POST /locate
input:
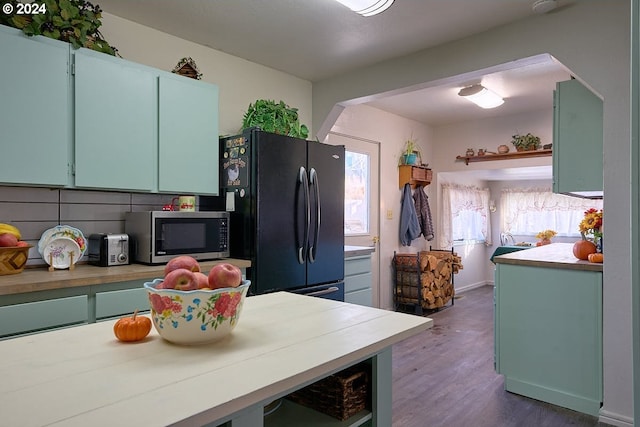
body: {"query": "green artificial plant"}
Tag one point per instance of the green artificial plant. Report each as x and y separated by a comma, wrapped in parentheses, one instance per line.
(275, 118)
(526, 142)
(72, 21)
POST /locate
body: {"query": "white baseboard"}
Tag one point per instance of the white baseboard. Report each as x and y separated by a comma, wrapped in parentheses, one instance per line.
(465, 288)
(615, 419)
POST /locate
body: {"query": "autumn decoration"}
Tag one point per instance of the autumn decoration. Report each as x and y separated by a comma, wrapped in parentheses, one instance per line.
(545, 237)
(133, 328)
(591, 229)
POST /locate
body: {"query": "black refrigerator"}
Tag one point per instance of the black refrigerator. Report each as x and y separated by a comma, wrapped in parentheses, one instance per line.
(286, 200)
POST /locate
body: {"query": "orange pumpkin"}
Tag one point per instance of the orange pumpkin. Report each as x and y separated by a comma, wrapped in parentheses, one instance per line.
(132, 328)
(582, 249)
(597, 257)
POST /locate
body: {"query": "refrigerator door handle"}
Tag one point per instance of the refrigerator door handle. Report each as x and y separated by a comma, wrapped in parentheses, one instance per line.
(313, 178)
(302, 179)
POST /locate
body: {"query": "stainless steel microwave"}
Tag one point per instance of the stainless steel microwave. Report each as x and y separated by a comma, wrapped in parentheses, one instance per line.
(157, 236)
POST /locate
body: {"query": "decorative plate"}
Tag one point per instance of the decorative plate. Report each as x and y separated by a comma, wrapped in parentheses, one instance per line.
(61, 252)
(62, 231)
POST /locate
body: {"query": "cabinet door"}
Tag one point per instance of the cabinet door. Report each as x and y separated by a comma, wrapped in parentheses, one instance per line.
(119, 303)
(357, 280)
(116, 123)
(40, 315)
(35, 110)
(188, 139)
(549, 334)
(577, 139)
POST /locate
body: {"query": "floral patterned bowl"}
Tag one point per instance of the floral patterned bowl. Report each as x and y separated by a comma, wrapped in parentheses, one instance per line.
(195, 317)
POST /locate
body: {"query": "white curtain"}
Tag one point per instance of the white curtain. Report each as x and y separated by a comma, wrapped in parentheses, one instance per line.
(465, 214)
(527, 211)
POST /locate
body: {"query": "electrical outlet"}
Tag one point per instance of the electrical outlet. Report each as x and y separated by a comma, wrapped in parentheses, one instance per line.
(389, 214)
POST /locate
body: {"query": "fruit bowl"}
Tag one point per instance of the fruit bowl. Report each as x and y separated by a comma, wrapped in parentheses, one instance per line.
(13, 259)
(194, 317)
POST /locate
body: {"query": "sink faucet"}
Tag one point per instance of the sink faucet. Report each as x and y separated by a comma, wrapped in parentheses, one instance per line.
(506, 239)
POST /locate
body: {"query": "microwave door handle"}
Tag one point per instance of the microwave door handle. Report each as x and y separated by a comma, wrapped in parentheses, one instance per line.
(313, 178)
(302, 179)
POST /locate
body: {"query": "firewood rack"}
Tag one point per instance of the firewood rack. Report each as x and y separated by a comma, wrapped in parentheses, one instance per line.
(415, 283)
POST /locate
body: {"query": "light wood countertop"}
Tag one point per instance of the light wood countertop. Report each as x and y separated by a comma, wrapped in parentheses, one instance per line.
(40, 279)
(82, 376)
(555, 255)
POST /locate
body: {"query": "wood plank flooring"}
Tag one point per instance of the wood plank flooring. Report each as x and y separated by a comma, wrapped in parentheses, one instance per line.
(445, 376)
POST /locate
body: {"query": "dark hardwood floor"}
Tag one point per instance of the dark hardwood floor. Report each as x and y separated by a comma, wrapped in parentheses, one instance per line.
(445, 376)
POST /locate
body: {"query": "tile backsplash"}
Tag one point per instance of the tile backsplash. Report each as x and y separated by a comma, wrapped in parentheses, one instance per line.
(34, 210)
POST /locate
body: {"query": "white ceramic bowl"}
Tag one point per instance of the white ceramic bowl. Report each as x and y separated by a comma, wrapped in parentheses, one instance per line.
(195, 317)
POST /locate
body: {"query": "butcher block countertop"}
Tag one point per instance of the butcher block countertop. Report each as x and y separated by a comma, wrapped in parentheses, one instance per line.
(555, 255)
(40, 279)
(82, 376)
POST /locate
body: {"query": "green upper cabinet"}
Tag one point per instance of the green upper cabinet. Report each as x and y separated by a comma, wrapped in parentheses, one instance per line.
(35, 110)
(116, 123)
(84, 119)
(188, 136)
(577, 140)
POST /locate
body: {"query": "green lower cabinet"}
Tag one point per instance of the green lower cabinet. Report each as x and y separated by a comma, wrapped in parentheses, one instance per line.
(548, 334)
(32, 312)
(121, 303)
(357, 280)
(19, 319)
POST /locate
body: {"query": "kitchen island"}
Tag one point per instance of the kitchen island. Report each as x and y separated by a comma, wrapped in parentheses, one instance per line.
(548, 326)
(83, 376)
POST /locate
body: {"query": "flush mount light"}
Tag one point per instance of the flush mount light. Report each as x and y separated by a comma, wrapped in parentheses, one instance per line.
(367, 7)
(481, 96)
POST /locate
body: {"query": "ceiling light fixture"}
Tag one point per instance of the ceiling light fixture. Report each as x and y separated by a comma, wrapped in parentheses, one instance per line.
(367, 7)
(481, 96)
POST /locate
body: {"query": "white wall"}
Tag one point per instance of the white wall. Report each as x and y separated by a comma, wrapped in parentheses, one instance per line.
(241, 82)
(593, 40)
(392, 131)
(453, 140)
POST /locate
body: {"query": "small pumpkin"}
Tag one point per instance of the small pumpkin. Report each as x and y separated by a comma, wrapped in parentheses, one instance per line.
(582, 249)
(596, 257)
(134, 328)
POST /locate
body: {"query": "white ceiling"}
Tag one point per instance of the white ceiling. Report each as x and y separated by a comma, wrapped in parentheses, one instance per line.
(318, 39)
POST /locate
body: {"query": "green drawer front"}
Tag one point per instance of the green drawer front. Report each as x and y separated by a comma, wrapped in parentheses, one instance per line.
(118, 303)
(361, 297)
(34, 316)
(357, 265)
(355, 283)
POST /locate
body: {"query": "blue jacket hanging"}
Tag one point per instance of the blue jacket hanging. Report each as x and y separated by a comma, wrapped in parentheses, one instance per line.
(409, 225)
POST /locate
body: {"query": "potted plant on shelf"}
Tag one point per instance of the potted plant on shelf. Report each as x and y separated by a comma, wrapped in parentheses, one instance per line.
(274, 117)
(526, 142)
(410, 153)
(72, 21)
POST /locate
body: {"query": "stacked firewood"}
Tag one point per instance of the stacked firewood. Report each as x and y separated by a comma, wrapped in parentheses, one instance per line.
(426, 278)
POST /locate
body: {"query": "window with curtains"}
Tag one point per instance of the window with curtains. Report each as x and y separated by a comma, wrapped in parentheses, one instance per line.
(465, 215)
(526, 211)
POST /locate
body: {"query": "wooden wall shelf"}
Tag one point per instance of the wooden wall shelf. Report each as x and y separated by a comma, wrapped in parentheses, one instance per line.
(507, 156)
(414, 175)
